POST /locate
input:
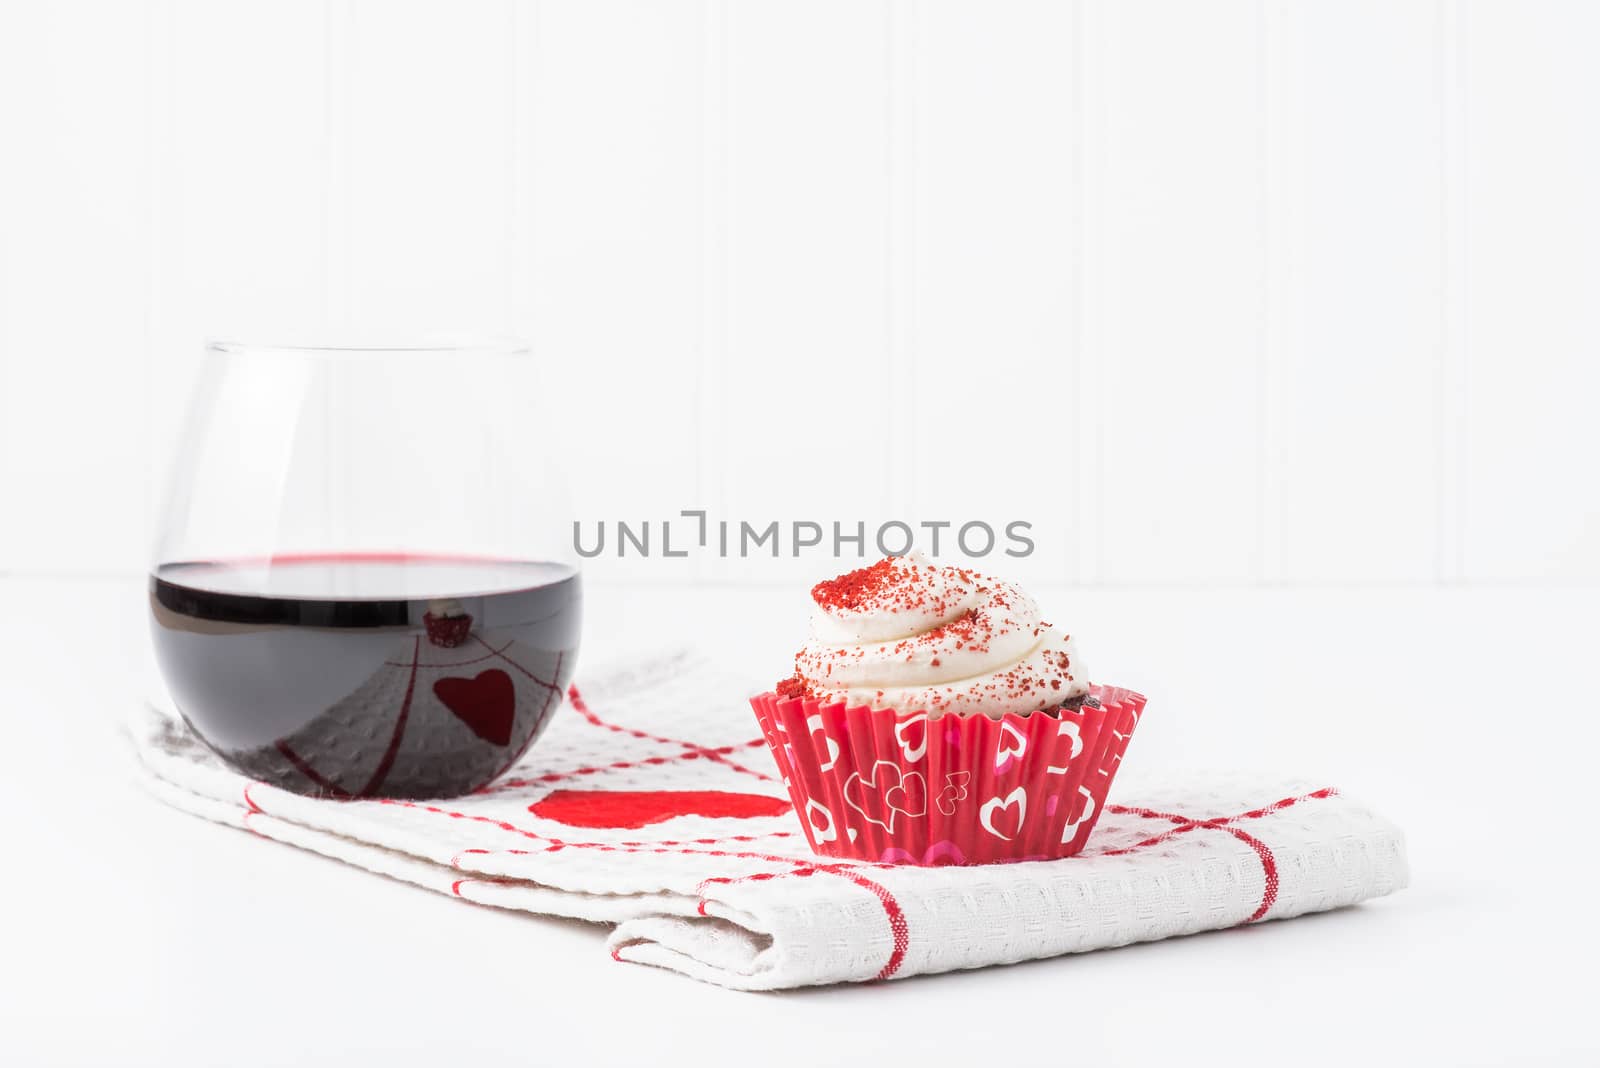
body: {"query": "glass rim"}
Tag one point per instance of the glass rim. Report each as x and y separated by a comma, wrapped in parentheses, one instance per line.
(422, 344)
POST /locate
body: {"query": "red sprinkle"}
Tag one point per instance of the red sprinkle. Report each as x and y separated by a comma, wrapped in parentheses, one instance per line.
(855, 589)
(794, 686)
(893, 585)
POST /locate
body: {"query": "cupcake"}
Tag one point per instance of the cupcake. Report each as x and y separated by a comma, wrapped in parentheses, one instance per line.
(446, 623)
(934, 717)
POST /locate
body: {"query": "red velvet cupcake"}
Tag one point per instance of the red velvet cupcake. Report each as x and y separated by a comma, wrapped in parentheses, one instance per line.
(446, 623)
(935, 718)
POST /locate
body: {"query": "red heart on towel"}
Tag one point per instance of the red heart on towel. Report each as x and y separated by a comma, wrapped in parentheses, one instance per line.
(639, 808)
(487, 704)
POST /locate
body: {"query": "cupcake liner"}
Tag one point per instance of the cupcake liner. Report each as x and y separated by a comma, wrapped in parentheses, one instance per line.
(903, 788)
(447, 632)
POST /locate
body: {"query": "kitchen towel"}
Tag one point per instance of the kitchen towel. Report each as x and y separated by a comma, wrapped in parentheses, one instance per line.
(652, 803)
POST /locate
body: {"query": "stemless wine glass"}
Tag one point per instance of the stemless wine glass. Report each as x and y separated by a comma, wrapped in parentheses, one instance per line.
(364, 584)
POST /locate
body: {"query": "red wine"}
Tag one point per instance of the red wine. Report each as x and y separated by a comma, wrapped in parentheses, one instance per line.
(367, 675)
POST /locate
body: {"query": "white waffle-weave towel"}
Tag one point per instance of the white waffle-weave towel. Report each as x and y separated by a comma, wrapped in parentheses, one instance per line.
(652, 803)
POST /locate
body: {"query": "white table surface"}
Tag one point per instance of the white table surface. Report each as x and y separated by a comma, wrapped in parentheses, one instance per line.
(134, 934)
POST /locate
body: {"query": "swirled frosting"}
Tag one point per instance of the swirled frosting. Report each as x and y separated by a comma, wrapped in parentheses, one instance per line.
(912, 635)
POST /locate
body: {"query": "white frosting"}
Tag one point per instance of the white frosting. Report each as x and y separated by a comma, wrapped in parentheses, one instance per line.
(940, 640)
(445, 608)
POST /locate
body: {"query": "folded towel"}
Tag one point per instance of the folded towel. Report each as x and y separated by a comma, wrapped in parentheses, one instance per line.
(652, 803)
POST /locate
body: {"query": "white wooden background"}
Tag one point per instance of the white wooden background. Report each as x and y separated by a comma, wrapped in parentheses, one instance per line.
(1224, 292)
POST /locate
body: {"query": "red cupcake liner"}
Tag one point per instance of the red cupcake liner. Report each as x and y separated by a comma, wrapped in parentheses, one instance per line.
(902, 788)
(447, 632)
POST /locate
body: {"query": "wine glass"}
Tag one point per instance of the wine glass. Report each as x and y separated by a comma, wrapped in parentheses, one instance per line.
(363, 584)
